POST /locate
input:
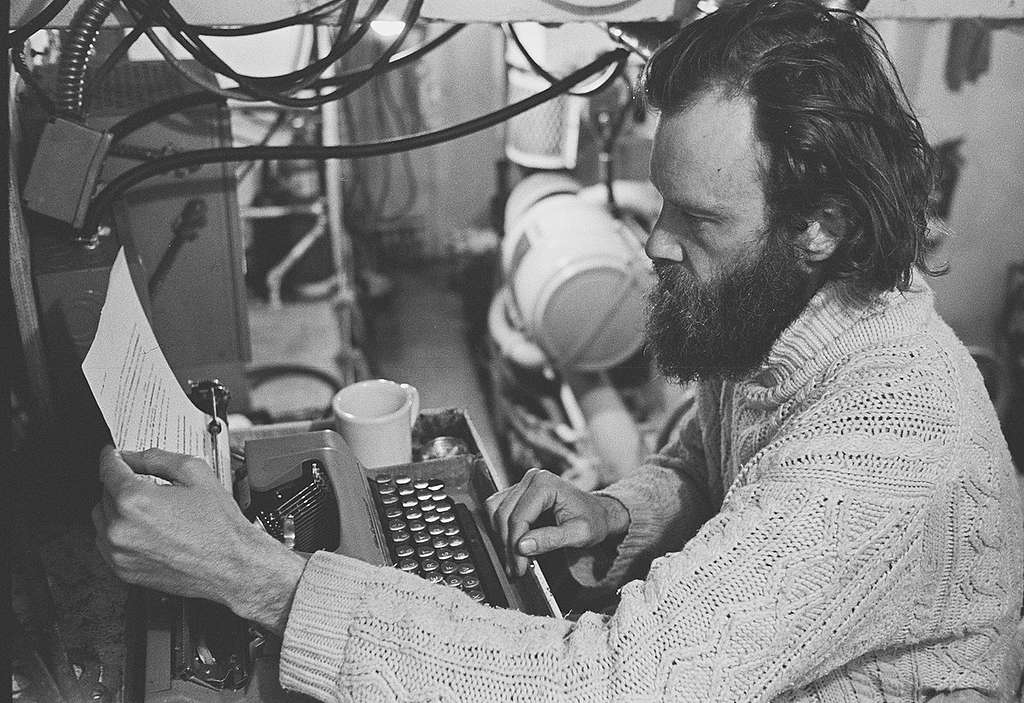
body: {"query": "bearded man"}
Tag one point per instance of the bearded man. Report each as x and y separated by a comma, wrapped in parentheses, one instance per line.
(838, 519)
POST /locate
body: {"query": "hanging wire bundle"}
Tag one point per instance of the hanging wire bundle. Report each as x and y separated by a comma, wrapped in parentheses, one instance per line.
(307, 86)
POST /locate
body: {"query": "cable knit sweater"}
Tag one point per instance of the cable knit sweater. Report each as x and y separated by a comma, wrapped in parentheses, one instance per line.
(844, 525)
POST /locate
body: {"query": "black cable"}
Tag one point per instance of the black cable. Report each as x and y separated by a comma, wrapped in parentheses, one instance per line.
(606, 81)
(18, 61)
(271, 87)
(352, 84)
(271, 131)
(262, 87)
(179, 30)
(128, 178)
(136, 120)
(119, 52)
(190, 100)
(306, 17)
(396, 61)
(22, 33)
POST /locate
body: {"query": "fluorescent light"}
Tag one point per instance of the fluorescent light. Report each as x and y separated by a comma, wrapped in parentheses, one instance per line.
(387, 28)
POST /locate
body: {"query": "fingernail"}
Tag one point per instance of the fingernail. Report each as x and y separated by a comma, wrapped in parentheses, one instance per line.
(528, 546)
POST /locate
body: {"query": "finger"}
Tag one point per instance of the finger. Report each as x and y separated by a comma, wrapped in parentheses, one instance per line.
(539, 496)
(494, 501)
(501, 505)
(108, 504)
(573, 533)
(178, 468)
(114, 472)
(509, 531)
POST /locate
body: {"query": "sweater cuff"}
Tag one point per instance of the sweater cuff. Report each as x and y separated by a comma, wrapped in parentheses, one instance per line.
(329, 595)
(608, 566)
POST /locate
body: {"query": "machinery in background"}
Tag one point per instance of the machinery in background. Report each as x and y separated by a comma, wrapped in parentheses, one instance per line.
(572, 389)
(181, 231)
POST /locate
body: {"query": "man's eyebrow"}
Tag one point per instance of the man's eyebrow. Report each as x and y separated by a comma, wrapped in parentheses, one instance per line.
(700, 211)
(707, 211)
(711, 212)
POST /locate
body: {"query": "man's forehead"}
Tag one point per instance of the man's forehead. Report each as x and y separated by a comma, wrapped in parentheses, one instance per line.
(707, 150)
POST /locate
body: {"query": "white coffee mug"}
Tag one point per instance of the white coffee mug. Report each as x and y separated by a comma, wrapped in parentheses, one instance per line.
(376, 417)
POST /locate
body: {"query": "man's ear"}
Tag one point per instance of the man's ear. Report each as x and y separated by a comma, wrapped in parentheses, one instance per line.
(822, 235)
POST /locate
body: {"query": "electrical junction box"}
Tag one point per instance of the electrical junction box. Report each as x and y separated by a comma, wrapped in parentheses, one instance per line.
(65, 169)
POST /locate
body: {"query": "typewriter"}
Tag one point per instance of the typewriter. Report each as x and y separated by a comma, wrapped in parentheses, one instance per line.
(307, 490)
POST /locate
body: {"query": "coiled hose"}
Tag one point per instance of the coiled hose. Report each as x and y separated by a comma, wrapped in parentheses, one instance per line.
(75, 53)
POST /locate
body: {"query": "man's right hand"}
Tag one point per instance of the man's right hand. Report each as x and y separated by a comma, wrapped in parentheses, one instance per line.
(581, 519)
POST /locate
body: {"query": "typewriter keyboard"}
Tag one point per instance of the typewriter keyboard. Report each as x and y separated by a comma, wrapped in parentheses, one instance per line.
(433, 536)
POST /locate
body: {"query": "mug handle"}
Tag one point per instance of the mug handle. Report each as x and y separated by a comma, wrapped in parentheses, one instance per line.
(414, 400)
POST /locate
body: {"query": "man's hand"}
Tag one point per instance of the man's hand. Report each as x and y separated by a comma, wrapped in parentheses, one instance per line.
(581, 519)
(189, 538)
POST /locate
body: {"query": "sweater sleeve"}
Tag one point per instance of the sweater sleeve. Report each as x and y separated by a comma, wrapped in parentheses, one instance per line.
(668, 499)
(789, 581)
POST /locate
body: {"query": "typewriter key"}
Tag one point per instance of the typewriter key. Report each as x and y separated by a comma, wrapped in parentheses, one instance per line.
(431, 518)
(466, 570)
(476, 595)
(382, 479)
(440, 497)
(424, 495)
(397, 526)
(420, 538)
(439, 542)
(448, 568)
(424, 550)
(417, 526)
(435, 529)
(442, 508)
(429, 565)
(420, 485)
(455, 539)
(402, 480)
(452, 531)
(470, 582)
(404, 551)
(399, 537)
(461, 555)
(388, 500)
(406, 491)
(436, 486)
(386, 490)
(453, 581)
(447, 518)
(427, 506)
(393, 513)
(408, 565)
(445, 554)
(407, 502)
(434, 578)
(413, 514)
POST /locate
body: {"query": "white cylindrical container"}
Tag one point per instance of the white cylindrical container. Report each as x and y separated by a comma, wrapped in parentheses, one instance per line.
(577, 278)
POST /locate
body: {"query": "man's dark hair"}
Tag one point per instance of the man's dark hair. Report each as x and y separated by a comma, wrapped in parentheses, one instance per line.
(834, 120)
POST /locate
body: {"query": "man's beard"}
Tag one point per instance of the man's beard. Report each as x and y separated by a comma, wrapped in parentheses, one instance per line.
(724, 328)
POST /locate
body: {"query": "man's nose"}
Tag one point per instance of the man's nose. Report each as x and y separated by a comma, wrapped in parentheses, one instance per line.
(662, 245)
